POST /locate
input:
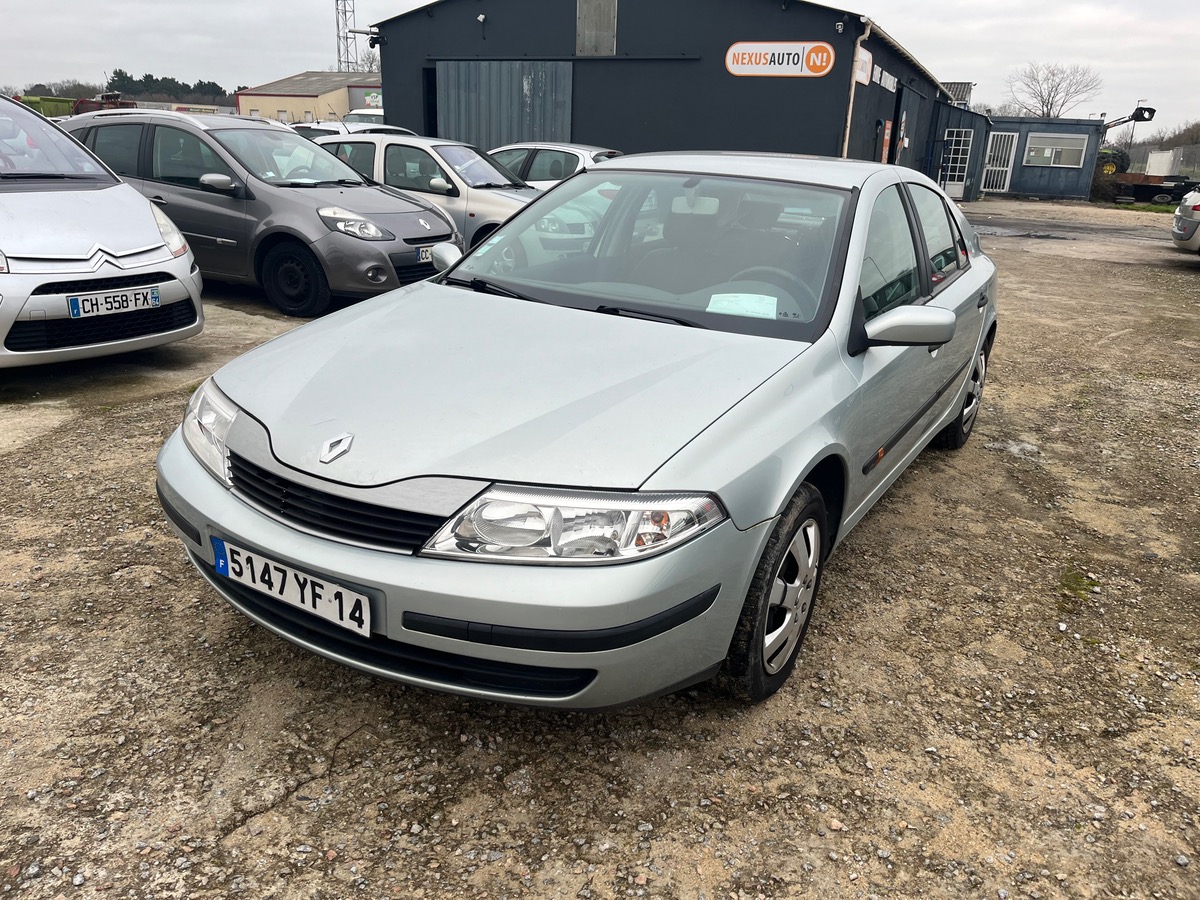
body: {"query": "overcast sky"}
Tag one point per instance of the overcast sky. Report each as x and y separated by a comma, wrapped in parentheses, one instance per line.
(1143, 50)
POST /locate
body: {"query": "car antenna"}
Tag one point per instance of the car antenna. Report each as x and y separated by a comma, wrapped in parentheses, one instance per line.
(335, 115)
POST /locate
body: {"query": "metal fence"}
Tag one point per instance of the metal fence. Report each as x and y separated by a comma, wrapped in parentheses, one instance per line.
(1185, 162)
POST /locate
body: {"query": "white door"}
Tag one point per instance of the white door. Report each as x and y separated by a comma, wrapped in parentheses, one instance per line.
(997, 169)
(955, 161)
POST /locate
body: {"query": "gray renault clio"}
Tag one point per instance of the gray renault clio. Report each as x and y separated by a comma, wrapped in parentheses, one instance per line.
(260, 204)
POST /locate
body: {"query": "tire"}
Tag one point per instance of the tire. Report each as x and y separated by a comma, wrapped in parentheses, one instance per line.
(954, 435)
(779, 604)
(1163, 198)
(294, 280)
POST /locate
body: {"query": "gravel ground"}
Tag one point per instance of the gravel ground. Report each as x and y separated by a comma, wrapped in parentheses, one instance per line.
(999, 696)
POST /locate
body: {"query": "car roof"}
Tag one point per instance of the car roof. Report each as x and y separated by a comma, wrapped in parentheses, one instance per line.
(843, 173)
(412, 140)
(556, 145)
(206, 121)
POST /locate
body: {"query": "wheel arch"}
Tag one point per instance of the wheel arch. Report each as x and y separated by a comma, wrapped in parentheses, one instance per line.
(482, 232)
(830, 477)
(274, 239)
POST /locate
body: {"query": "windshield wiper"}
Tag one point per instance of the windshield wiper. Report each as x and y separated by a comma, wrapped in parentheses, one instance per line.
(640, 314)
(499, 184)
(483, 286)
(349, 182)
(45, 176)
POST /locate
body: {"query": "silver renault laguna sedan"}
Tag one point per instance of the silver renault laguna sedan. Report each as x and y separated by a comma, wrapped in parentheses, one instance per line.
(582, 474)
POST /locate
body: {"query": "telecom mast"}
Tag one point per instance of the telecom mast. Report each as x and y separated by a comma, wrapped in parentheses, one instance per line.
(347, 42)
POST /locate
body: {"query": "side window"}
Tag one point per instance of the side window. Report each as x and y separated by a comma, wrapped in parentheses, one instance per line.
(889, 269)
(552, 165)
(118, 146)
(358, 155)
(179, 157)
(941, 239)
(410, 168)
(511, 159)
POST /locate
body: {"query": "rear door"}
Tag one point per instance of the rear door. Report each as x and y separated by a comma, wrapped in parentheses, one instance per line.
(120, 146)
(952, 283)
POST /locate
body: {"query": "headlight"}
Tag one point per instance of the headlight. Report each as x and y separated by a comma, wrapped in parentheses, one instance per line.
(338, 219)
(3, 264)
(551, 224)
(535, 525)
(205, 424)
(171, 235)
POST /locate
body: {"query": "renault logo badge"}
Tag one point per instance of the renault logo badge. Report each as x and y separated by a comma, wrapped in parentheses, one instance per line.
(428, 227)
(336, 447)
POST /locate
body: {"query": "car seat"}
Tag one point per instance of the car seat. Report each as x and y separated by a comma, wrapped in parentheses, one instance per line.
(556, 169)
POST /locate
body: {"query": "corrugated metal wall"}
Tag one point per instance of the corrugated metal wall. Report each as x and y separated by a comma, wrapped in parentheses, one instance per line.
(492, 102)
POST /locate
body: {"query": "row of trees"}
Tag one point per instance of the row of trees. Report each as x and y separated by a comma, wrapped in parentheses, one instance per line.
(148, 87)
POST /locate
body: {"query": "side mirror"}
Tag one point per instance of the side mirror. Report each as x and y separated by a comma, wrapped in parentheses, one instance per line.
(445, 255)
(441, 185)
(911, 326)
(222, 184)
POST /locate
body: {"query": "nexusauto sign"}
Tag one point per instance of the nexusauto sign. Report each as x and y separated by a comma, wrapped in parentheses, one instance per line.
(780, 59)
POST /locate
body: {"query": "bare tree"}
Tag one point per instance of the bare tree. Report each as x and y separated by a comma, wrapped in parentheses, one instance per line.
(368, 60)
(1050, 89)
(1006, 109)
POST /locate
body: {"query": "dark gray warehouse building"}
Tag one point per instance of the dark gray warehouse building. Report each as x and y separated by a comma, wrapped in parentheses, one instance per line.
(766, 75)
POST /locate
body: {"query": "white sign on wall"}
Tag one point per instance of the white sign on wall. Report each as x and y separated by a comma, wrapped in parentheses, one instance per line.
(780, 59)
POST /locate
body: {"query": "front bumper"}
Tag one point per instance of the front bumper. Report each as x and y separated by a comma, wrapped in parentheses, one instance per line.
(570, 637)
(36, 327)
(358, 268)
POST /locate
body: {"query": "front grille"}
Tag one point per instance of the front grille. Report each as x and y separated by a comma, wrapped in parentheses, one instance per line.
(102, 285)
(438, 666)
(330, 515)
(428, 239)
(57, 334)
(407, 271)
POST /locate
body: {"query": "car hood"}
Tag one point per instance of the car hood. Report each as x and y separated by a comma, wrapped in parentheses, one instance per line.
(437, 380)
(368, 199)
(515, 196)
(73, 223)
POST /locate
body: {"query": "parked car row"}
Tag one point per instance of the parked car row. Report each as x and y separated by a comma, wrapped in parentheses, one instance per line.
(259, 204)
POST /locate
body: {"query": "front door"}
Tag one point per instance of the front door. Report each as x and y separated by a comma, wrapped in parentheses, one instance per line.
(215, 224)
(997, 171)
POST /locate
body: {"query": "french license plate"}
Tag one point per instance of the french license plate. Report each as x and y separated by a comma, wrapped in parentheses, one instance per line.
(424, 254)
(332, 602)
(117, 302)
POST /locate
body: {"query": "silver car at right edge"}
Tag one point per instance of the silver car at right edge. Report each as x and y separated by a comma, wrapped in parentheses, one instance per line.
(1185, 228)
(579, 474)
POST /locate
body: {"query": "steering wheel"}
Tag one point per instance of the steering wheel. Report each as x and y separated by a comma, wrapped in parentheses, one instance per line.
(782, 278)
(298, 172)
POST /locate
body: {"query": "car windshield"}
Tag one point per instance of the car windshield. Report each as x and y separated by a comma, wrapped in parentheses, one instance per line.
(280, 156)
(732, 254)
(476, 169)
(31, 149)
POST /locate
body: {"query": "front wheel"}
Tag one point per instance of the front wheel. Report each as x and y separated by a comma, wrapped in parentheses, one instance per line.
(954, 435)
(294, 280)
(779, 604)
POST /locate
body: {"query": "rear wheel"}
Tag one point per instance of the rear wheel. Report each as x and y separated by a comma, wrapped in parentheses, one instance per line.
(954, 435)
(779, 604)
(294, 280)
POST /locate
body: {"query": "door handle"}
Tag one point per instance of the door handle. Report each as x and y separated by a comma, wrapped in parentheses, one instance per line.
(982, 301)
(161, 201)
